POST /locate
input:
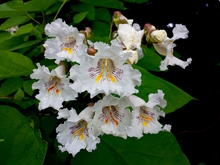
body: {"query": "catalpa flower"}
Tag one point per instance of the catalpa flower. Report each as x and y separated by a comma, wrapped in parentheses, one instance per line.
(53, 87)
(67, 44)
(74, 134)
(146, 115)
(131, 38)
(105, 72)
(166, 48)
(112, 115)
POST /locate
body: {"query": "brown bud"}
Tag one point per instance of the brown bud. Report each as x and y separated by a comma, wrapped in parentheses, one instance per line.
(91, 51)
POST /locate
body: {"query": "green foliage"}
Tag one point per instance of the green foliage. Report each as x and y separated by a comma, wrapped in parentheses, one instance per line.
(137, 1)
(20, 137)
(161, 148)
(14, 21)
(150, 61)
(14, 64)
(22, 144)
(6, 12)
(79, 17)
(11, 85)
(107, 3)
(174, 96)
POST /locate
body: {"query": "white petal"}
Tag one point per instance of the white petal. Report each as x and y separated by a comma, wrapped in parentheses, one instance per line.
(180, 31)
(136, 101)
(63, 113)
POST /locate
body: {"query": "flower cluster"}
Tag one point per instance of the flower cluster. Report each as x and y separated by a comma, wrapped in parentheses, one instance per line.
(106, 69)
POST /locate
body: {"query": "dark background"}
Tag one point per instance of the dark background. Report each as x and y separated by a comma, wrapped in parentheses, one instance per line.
(196, 125)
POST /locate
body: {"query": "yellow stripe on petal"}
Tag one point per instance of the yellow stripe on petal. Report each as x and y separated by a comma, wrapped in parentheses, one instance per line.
(82, 136)
(145, 123)
(98, 78)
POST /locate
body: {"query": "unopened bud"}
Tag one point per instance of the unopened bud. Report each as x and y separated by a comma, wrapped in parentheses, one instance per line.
(91, 51)
(158, 36)
(148, 27)
(88, 32)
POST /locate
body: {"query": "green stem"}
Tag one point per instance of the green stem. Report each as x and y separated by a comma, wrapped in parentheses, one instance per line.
(59, 10)
(33, 19)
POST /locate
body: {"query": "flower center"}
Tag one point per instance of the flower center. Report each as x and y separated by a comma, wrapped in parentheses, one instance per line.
(54, 85)
(105, 70)
(145, 115)
(69, 45)
(79, 130)
(111, 114)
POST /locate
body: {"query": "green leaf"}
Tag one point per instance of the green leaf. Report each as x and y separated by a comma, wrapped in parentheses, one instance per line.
(54, 8)
(115, 4)
(84, 7)
(150, 61)
(4, 36)
(101, 27)
(6, 12)
(159, 148)
(175, 97)
(11, 85)
(24, 29)
(14, 21)
(33, 5)
(37, 31)
(27, 85)
(19, 95)
(137, 1)
(25, 102)
(26, 44)
(35, 52)
(79, 17)
(14, 65)
(62, 155)
(22, 144)
(49, 123)
(103, 14)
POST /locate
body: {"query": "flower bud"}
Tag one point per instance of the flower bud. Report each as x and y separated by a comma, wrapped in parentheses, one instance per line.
(158, 36)
(88, 32)
(91, 51)
(148, 27)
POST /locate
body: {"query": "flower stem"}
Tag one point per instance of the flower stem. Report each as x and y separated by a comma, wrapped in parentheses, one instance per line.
(59, 10)
(109, 38)
(33, 19)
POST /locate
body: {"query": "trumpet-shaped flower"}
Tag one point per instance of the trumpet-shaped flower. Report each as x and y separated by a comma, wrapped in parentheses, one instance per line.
(111, 116)
(67, 44)
(166, 48)
(105, 72)
(146, 115)
(74, 134)
(53, 87)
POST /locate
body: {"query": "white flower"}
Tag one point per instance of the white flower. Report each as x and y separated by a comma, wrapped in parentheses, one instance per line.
(67, 44)
(146, 115)
(166, 48)
(105, 72)
(74, 134)
(12, 30)
(54, 87)
(130, 37)
(111, 116)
